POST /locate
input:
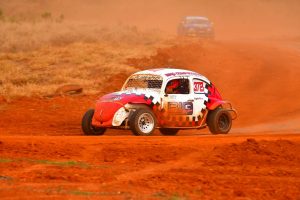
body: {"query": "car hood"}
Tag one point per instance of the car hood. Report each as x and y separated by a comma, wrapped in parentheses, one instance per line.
(144, 96)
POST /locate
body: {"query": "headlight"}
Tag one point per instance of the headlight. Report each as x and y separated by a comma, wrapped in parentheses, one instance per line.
(119, 117)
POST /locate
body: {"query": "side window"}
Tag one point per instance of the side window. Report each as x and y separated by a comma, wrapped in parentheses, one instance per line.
(199, 86)
(178, 86)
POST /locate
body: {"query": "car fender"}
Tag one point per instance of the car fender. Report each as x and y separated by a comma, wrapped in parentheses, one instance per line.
(114, 108)
(215, 103)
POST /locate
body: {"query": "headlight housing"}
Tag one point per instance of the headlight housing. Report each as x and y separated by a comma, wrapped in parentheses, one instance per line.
(119, 117)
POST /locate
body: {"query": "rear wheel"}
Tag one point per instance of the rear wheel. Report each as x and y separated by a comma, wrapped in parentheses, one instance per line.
(168, 131)
(87, 127)
(219, 121)
(142, 122)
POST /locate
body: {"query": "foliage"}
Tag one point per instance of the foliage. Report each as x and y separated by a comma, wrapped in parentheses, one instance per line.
(46, 15)
(1, 15)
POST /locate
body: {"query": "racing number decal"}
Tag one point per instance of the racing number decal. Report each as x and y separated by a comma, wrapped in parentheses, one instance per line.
(198, 87)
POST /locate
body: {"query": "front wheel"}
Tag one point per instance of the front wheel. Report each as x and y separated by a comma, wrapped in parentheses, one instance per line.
(169, 131)
(219, 121)
(86, 124)
(142, 122)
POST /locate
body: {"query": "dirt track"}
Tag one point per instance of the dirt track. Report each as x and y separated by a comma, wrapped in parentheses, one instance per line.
(258, 160)
(128, 167)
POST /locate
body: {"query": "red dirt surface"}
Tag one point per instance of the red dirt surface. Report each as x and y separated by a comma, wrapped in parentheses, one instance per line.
(128, 167)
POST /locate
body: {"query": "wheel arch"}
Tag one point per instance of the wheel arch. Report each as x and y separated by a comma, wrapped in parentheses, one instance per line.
(216, 104)
(134, 106)
(223, 104)
(137, 105)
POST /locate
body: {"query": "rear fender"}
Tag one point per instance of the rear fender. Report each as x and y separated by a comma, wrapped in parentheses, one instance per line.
(215, 103)
(225, 105)
(214, 97)
(215, 100)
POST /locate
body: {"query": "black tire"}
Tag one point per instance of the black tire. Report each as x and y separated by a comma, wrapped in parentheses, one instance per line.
(142, 122)
(219, 121)
(86, 124)
(168, 131)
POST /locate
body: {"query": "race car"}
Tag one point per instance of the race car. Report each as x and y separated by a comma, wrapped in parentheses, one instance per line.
(196, 26)
(165, 99)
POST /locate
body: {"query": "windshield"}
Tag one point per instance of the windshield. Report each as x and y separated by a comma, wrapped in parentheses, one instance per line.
(197, 21)
(142, 81)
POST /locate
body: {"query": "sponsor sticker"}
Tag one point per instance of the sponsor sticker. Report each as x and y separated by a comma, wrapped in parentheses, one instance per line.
(180, 108)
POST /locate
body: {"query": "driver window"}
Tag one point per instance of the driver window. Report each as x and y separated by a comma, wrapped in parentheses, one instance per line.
(178, 86)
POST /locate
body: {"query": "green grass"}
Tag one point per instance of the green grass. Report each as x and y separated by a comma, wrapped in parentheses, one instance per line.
(81, 193)
(165, 196)
(70, 163)
(63, 163)
(77, 192)
(177, 197)
(5, 160)
(46, 15)
(160, 195)
(6, 178)
(89, 193)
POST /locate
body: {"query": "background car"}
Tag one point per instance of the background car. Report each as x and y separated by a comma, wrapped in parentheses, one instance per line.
(196, 26)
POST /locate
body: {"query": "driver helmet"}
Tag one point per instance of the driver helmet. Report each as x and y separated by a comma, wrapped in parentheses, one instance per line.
(174, 84)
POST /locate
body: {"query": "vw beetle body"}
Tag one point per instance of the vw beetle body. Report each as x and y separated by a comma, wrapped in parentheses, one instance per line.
(145, 103)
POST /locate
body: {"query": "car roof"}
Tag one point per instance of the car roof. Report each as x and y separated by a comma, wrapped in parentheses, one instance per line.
(196, 17)
(172, 72)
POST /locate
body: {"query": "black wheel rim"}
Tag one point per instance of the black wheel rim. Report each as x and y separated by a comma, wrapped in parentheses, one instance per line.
(223, 122)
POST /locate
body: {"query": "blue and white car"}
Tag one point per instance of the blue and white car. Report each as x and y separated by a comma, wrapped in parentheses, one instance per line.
(196, 26)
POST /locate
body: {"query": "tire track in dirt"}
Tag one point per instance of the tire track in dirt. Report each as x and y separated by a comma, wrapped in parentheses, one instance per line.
(158, 168)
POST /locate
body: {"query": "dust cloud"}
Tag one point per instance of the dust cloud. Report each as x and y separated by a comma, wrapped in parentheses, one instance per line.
(232, 19)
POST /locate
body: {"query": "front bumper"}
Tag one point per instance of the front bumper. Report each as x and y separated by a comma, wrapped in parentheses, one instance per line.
(199, 33)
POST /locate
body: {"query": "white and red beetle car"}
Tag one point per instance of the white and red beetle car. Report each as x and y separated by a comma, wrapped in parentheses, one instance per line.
(167, 99)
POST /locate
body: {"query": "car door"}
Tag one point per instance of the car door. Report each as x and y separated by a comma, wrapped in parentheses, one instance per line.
(178, 107)
(200, 93)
